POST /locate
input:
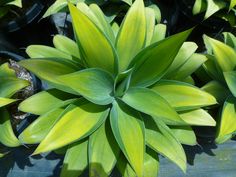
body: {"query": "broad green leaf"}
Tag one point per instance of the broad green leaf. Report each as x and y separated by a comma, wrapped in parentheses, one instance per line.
(150, 22)
(76, 160)
(151, 163)
(6, 101)
(80, 120)
(154, 60)
(7, 136)
(230, 39)
(227, 123)
(160, 138)
(131, 37)
(189, 80)
(190, 66)
(92, 51)
(94, 84)
(41, 51)
(151, 103)
(218, 90)
(183, 96)
(224, 55)
(50, 68)
(103, 151)
(230, 78)
(184, 53)
(104, 23)
(126, 124)
(39, 129)
(197, 117)
(199, 6)
(66, 45)
(124, 167)
(6, 71)
(10, 85)
(115, 28)
(159, 33)
(213, 6)
(184, 134)
(45, 101)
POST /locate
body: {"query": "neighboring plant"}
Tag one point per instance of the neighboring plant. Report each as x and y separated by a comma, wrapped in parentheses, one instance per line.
(9, 85)
(221, 67)
(107, 102)
(112, 8)
(210, 7)
(5, 6)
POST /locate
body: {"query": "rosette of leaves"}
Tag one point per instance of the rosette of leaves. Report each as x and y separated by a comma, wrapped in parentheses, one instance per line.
(9, 85)
(210, 7)
(5, 6)
(107, 104)
(221, 68)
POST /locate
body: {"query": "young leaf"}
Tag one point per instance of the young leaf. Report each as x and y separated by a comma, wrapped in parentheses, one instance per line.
(7, 136)
(128, 129)
(76, 160)
(39, 129)
(183, 96)
(154, 60)
(197, 117)
(213, 6)
(151, 103)
(92, 51)
(131, 37)
(45, 101)
(103, 151)
(150, 20)
(94, 84)
(228, 119)
(160, 138)
(80, 120)
(159, 33)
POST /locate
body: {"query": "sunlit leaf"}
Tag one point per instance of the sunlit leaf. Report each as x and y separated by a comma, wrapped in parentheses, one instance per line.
(184, 134)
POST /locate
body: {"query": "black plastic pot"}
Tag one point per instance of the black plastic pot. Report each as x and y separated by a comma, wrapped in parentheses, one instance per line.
(30, 15)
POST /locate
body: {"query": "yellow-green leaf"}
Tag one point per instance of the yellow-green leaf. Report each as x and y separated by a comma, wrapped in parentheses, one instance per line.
(80, 120)
(197, 117)
(151, 103)
(96, 53)
(7, 136)
(76, 160)
(150, 20)
(159, 33)
(151, 163)
(183, 96)
(6, 101)
(131, 37)
(126, 124)
(160, 138)
(6, 71)
(227, 123)
(184, 134)
(103, 151)
(224, 55)
(39, 129)
(230, 78)
(45, 101)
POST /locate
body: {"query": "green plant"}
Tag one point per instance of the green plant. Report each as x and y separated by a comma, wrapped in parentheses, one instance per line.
(5, 6)
(108, 103)
(221, 68)
(211, 7)
(9, 85)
